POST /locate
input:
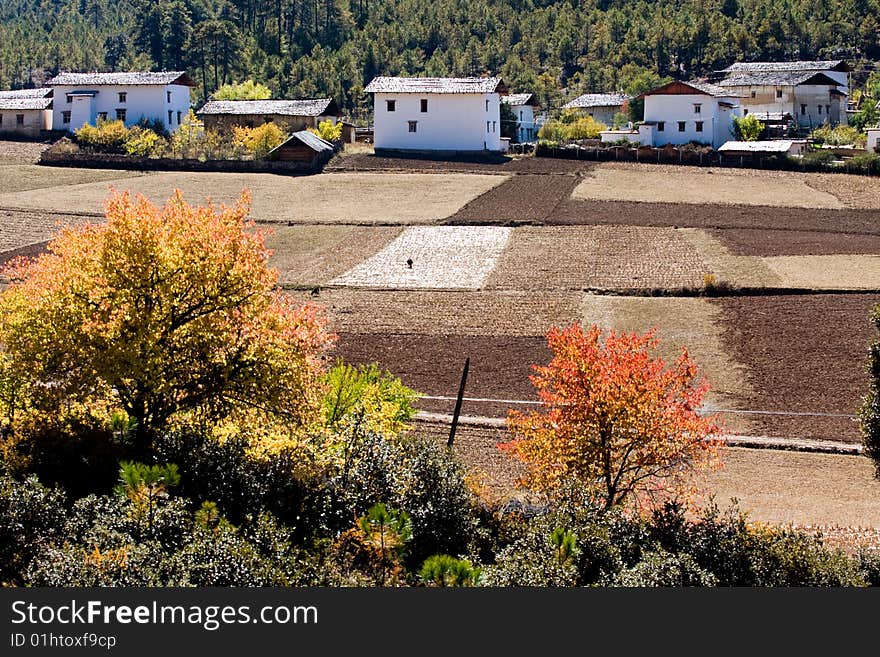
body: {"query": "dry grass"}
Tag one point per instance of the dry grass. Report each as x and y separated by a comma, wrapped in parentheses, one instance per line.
(849, 272)
(746, 271)
(358, 198)
(432, 257)
(447, 313)
(799, 488)
(24, 177)
(603, 257)
(700, 185)
(857, 192)
(693, 323)
(308, 256)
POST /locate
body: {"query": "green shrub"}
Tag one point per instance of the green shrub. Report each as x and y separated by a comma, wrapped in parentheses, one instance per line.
(748, 128)
(865, 163)
(328, 131)
(817, 159)
(841, 135)
(443, 570)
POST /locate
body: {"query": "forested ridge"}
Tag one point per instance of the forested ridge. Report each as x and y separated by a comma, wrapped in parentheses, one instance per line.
(299, 48)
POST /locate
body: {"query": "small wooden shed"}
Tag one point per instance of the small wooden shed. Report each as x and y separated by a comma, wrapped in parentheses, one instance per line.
(304, 147)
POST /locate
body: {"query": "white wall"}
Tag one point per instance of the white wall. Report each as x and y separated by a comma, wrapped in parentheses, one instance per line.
(670, 109)
(453, 122)
(147, 101)
(35, 121)
(526, 130)
(873, 138)
(791, 101)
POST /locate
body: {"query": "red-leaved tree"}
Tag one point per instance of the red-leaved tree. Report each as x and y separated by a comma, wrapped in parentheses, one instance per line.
(615, 417)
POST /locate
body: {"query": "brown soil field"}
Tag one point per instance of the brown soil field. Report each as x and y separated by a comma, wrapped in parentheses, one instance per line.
(854, 191)
(597, 257)
(20, 152)
(700, 185)
(522, 199)
(461, 313)
(357, 198)
(803, 354)
(762, 242)
(309, 256)
(23, 229)
(502, 164)
(432, 364)
(24, 177)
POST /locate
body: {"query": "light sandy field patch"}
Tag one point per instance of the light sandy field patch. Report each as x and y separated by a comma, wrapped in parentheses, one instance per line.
(697, 185)
(851, 272)
(446, 313)
(744, 271)
(20, 152)
(693, 323)
(310, 255)
(799, 488)
(599, 257)
(442, 257)
(23, 177)
(857, 192)
(359, 198)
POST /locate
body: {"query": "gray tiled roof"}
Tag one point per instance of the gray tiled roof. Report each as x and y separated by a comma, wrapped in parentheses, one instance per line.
(777, 79)
(516, 99)
(26, 99)
(304, 107)
(597, 100)
(129, 78)
(308, 138)
(40, 92)
(434, 85)
(710, 89)
(769, 67)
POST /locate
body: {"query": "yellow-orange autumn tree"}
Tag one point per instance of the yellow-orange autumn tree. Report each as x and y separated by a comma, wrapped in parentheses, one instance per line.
(158, 312)
(614, 417)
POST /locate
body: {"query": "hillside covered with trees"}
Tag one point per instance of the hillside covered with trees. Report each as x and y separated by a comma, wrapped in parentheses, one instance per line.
(334, 47)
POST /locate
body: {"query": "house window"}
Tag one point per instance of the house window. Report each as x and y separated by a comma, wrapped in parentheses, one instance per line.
(1, 119)
(412, 125)
(681, 126)
(122, 96)
(487, 104)
(828, 109)
(779, 93)
(697, 108)
(745, 112)
(803, 110)
(120, 114)
(661, 126)
(699, 126)
(424, 105)
(494, 127)
(168, 96)
(390, 105)
(102, 116)
(488, 125)
(819, 108)
(19, 119)
(65, 117)
(754, 93)
(178, 118)
(68, 98)
(520, 115)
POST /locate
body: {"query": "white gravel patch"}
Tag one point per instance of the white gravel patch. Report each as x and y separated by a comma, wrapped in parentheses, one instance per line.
(443, 257)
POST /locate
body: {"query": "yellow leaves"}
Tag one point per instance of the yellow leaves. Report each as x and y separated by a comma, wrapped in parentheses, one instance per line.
(260, 140)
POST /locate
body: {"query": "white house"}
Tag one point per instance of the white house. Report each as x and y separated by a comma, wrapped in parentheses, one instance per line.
(809, 98)
(437, 114)
(26, 113)
(82, 98)
(602, 107)
(836, 69)
(523, 107)
(683, 112)
(873, 139)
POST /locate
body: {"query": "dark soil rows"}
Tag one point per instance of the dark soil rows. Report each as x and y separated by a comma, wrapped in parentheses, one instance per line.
(500, 164)
(632, 213)
(521, 199)
(432, 364)
(757, 242)
(803, 354)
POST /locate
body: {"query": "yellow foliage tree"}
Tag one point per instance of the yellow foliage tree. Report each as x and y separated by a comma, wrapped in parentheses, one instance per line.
(260, 140)
(161, 313)
(328, 131)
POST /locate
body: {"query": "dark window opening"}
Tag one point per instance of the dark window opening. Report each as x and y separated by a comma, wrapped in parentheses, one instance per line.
(102, 116)
(120, 115)
(122, 96)
(168, 96)
(170, 113)
(779, 93)
(390, 105)
(65, 117)
(681, 126)
(699, 126)
(803, 110)
(424, 104)
(178, 117)
(412, 125)
(661, 126)
(19, 119)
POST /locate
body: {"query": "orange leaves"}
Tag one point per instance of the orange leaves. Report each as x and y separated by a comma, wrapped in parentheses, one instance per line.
(615, 416)
(162, 311)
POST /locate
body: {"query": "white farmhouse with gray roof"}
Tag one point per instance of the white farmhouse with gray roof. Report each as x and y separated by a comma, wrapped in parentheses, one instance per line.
(293, 114)
(602, 107)
(27, 112)
(437, 114)
(523, 108)
(683, 112)
(82, 98)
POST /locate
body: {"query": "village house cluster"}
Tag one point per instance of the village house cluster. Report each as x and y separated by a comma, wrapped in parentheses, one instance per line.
(457, 115)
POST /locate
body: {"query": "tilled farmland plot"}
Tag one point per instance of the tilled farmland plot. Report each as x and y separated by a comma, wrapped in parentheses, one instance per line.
(449, 312)
(522, 199)
(763, 242)
(598, 257)
(438, 257)
(805, 354)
